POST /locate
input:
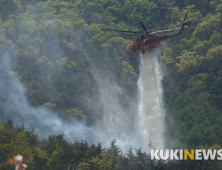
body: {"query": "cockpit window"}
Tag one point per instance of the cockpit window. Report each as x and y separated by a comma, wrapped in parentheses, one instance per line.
(127, 47)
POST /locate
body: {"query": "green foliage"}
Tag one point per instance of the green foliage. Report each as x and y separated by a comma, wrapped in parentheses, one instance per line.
(188, 62)
(55, 160)
(60, 44)
(100, 162)
(167, 57)
(41, 158)
(195, 119)
(64, 63)
(124, 69)
(201, 47)
(204, 29)
(76, 113)
(96, 35)
(196, 83)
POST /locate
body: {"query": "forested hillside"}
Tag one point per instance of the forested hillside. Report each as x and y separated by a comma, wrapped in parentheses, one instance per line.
(59, 51)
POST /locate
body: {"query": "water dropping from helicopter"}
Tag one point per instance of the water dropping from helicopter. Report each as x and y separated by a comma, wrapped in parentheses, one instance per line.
(151, 111)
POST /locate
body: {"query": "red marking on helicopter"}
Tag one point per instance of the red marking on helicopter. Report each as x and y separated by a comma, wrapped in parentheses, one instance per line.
(149, 40)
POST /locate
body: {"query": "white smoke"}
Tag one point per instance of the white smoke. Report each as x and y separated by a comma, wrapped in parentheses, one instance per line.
(114, 122)
(146, 130)
(44, 121)
(151, 110)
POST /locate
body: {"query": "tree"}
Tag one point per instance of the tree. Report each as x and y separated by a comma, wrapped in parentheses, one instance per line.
(100, 162)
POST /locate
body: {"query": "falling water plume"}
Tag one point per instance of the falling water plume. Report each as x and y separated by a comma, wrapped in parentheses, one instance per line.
(151, 108)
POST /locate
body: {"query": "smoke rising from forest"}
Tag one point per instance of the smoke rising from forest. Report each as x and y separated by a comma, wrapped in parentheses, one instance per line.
(113, 122)
(44, 120)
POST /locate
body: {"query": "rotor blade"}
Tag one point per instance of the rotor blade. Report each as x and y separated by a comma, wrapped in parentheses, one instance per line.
(185, 16)
(169, 30)
(123, 31)
(180, 20)
(165, 30)
(144, 28)
(189, 22)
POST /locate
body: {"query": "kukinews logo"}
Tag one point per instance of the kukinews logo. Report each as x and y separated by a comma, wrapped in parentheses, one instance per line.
(184, 154)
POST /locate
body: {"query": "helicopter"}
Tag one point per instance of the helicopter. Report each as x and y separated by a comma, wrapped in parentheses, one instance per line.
(148, 40)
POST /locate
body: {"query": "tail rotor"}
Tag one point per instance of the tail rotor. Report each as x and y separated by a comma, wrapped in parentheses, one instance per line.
(184, 20)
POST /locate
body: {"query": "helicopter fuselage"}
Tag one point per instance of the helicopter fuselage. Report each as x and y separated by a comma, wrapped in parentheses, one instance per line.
(146, 43)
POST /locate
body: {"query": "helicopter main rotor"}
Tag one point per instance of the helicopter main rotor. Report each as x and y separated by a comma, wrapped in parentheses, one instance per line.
(147, 33)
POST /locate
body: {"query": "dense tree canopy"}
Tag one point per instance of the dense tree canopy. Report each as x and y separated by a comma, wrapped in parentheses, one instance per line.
(53, 45)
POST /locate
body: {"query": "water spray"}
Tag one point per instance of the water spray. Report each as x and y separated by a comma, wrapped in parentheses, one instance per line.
(151, 110)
